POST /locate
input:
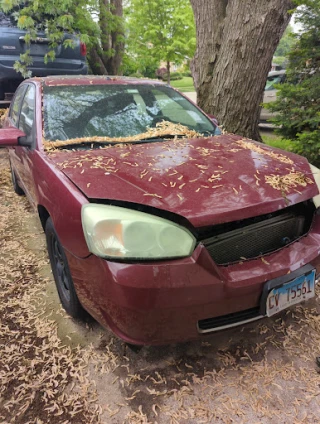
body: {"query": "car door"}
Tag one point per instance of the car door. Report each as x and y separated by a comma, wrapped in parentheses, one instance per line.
(14, 115)
(26, 154)
(22, 116)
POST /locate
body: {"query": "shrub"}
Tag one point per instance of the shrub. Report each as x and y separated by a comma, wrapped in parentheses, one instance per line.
(297, 105)
(173, 76)
(160, 72)
(136, 75)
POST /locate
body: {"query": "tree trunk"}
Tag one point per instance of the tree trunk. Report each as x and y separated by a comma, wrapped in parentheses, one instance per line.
(236, 40)
(95, 62)
(112, 34)
(117, 37)
(168, 71)
(104, 17)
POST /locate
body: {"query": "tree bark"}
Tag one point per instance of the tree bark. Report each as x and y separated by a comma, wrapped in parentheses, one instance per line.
(95, 62)
(236, 40)
(117, 38)
(168, 71)
(112, 34)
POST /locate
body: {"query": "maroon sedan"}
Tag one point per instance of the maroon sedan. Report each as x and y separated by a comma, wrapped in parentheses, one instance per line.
(157, 225)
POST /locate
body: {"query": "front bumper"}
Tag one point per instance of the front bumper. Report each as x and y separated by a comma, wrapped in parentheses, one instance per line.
(163, 302)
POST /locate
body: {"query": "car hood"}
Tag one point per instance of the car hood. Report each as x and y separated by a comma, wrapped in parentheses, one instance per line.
(206, 180)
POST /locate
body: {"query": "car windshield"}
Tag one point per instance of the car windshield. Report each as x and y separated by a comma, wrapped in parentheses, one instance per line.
(272, 81)
(119, 112)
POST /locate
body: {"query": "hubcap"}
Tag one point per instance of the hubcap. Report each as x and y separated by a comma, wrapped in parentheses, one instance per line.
(60, 267)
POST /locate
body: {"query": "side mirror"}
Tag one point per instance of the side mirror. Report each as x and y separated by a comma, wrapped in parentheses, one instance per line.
(213, 119)
(10, 137)
(216, 123)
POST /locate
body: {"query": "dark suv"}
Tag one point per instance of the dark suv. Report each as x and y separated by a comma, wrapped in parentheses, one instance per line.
(68, 60)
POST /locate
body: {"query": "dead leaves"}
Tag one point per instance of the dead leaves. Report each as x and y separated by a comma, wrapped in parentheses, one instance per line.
(162, 129)
(286, 182)
(248, 144)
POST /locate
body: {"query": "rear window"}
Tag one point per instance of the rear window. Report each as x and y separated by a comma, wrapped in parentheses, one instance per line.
(8, 20)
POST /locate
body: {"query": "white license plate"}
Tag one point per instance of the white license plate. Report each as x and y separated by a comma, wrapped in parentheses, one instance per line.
(297, 290)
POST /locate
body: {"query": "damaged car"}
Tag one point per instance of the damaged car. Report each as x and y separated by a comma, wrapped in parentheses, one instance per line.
(157, 225)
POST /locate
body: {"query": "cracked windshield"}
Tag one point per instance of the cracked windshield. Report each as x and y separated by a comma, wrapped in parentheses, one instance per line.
(119, 113)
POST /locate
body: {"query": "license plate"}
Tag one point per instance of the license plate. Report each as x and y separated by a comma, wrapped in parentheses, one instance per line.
(297, 290)
(38, 49)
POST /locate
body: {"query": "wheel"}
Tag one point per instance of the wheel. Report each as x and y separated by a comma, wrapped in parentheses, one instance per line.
(134, 348)
(1, 91)
(61, 273)
(17, 189)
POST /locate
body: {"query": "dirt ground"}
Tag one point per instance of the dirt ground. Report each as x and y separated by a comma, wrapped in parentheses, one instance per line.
(55, 370)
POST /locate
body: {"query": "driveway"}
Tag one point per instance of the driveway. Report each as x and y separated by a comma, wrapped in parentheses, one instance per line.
(56, 370)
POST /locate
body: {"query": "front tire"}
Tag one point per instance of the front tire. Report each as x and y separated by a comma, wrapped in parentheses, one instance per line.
(17, 189)
(61, 273)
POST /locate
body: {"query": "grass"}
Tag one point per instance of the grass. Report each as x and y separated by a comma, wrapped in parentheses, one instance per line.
(275, 140)
(185, 84)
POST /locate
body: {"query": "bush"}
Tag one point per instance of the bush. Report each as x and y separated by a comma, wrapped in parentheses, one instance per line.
(160, 72)
(174, 76)
(297, 105)
(136, 75)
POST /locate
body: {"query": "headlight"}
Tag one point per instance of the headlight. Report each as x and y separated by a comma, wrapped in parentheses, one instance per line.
(316, 175)
(114, 232)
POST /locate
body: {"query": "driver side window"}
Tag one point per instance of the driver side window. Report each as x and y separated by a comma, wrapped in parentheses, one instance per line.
(27, 113)
(15, 105)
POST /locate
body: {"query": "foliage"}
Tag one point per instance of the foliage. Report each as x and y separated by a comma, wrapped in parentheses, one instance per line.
(280, 60)
(286, 43)
(160, 72)
(143, 65)
(104, 37)
(54, 17)
(162, 29)
(297, 105)
(174, 76)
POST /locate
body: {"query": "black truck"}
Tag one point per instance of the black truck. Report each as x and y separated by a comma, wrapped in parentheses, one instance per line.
(68, 60)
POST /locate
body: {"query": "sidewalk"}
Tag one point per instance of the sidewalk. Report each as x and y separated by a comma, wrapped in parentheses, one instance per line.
(192, 95)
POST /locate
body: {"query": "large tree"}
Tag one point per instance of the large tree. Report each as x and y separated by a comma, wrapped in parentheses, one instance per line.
(236, 40)
(105, 55)
(161, 28)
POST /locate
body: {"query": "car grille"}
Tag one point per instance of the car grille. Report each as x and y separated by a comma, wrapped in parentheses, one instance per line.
(254, 239)
(236, 318)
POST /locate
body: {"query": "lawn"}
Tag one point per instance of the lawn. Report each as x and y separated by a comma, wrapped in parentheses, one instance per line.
(275, 140)
(185, 84)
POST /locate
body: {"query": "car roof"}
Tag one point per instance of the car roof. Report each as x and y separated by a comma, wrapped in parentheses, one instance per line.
(60, 80)
(274, 73)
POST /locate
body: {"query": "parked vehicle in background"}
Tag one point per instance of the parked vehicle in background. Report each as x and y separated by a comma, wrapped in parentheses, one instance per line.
(69, 60)
(270, 94)
(158, 225)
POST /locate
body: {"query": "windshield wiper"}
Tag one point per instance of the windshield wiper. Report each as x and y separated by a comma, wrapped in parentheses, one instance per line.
(160, 137)
(86, 145)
